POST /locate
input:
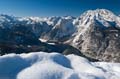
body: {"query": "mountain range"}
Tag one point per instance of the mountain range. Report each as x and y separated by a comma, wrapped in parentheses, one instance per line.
(94, 34)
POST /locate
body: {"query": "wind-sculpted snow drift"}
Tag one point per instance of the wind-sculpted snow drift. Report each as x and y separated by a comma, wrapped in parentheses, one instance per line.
(41, 65)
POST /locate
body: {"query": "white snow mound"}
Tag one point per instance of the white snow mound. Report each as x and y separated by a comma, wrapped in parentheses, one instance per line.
(41, 65)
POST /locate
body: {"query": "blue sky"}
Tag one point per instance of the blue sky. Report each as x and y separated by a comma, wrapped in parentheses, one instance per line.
(44, 8)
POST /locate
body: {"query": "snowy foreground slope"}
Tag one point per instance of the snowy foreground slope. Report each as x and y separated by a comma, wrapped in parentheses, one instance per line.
(41, 65)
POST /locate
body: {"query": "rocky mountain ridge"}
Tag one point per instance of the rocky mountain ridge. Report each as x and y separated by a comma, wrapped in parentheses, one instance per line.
(96, 33)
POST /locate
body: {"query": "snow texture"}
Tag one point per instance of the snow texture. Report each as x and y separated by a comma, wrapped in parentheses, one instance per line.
(41, 65)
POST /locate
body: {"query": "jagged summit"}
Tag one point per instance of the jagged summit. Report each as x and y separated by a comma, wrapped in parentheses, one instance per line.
(97, 13)
(103, 16)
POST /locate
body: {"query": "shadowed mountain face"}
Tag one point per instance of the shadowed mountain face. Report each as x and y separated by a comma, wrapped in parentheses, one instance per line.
(20, 39)
(96, 33)
(15, 39)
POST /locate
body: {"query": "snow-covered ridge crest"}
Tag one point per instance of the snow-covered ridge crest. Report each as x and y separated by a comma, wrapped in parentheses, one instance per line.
(101, 15)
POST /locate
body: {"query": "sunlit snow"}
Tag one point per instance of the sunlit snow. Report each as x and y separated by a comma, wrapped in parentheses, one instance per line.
(41, 65)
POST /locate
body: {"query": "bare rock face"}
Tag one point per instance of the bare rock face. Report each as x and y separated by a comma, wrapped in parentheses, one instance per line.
(112, 51)
(101, 44)
(99, 41)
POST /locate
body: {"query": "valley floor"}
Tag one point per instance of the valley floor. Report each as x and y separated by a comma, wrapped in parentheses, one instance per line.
(41, 65)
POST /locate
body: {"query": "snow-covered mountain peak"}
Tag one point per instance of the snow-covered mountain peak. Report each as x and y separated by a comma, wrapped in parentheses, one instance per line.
(102, 16)
(99, 14)
(7, 18)
(30, 19)
(97, 29)
(100, 11)
(5, 15)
